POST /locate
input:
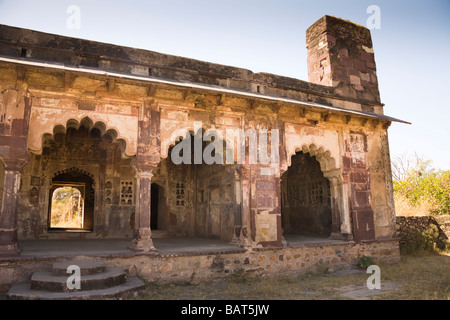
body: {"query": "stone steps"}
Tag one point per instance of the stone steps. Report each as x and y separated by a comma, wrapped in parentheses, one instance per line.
(96, 282)
(86, 267)
(50, 282)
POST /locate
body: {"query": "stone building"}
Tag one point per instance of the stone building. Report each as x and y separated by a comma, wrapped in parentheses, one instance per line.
(95, 125)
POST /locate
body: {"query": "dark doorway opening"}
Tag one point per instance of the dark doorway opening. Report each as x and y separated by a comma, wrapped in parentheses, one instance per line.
(154, 206)
(199, 197)
(157, 207)
(306, 199)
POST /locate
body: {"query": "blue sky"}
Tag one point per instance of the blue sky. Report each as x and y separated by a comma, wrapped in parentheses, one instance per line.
(412, 46)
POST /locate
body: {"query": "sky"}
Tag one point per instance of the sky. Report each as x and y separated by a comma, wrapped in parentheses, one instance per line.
(411, 45)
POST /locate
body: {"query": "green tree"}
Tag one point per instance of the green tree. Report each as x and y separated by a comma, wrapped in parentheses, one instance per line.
(420, 182)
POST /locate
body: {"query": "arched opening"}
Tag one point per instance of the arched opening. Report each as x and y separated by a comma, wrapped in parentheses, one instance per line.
(199, 197)
(71, 202)
(306, 199)
(67, 207)
(84, 156)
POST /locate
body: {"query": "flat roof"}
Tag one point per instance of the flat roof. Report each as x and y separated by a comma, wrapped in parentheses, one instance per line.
(192, 85)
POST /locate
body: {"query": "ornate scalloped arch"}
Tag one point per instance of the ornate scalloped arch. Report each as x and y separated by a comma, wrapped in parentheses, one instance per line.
(87, 121)
(327, 162)
(183, 132)
(72, 169)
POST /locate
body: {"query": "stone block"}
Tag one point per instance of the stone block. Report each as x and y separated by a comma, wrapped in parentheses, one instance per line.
(355, 80)
(6, 275)
(359, 65)
(266, 227)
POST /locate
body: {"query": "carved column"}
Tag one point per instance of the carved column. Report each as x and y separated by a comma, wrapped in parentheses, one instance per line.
(336, 194)
(8, 218)
(142, 238)
(147, 158)
(346, 227)
(340, 209)
(242, 198)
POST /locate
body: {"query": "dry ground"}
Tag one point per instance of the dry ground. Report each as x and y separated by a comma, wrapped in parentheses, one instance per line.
(425, 277)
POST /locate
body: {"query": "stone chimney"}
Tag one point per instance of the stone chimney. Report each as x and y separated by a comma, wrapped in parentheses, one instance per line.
(340, 54)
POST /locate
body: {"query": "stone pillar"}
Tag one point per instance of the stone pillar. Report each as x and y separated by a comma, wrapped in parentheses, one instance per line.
(356, 179)
(265, 208)
(336, 209)
(389, 186)
(242, 199)
(346, 227)
(340, 211)
(8, 219)
(142, 238)
(147, 158)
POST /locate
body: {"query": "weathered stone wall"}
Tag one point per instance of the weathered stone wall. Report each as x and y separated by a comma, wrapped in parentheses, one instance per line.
(330, 137)
(354, 158)
(444, 224)
(380, 184)
(200, 199)
(84, 53)
(340, 54)
(179, 186)
(15, 104)
(215, 199)
(187, 267)
(2, 176)
(86, 152)
(141, 102)
(261, 262)
(420, 223)
(357, 173)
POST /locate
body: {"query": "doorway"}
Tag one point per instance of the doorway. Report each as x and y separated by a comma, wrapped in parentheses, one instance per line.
(71, 202)
(157, 207)
(306, 199)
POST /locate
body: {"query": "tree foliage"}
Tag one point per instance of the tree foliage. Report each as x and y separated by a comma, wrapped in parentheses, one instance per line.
(66, 208)
(418, 181)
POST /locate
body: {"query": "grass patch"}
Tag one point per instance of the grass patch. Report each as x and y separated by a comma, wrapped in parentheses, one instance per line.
(422, 276)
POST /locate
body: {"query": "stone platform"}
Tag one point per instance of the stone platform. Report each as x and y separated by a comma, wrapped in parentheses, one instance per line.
(187, 259)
